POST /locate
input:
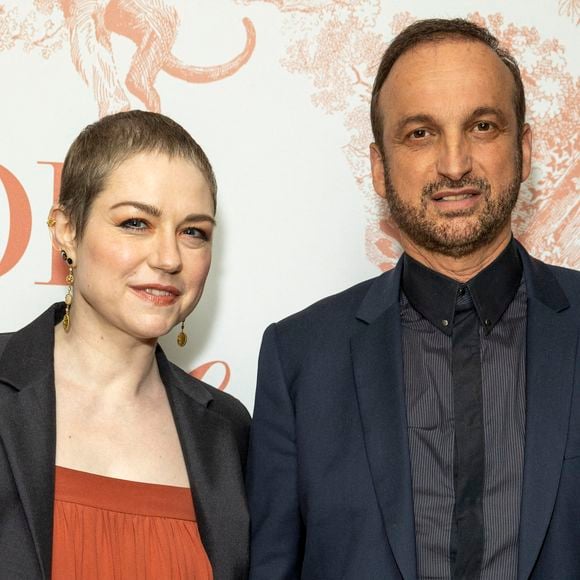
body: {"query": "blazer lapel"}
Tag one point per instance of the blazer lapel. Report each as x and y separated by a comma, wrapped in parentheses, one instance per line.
(378, 370)
(28, 426)
(551, 348)
(215, 475)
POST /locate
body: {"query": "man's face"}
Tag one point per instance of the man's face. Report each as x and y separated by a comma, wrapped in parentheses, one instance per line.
(452, 163)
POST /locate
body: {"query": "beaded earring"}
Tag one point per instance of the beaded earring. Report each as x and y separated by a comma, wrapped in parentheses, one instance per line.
(70, 279)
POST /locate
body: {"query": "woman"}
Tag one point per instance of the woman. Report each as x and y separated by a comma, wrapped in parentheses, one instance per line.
(109, 453)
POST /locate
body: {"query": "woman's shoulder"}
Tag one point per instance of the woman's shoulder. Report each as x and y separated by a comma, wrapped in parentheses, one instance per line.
(229, 411)
(216, 401)
(26, 353)
(4, 338)
(226, 404)
(37, 331)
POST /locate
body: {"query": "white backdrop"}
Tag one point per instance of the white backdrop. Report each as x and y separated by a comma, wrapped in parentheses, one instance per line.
(287, 132)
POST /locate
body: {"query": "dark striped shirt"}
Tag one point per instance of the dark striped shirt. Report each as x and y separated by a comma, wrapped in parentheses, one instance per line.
(428, 304)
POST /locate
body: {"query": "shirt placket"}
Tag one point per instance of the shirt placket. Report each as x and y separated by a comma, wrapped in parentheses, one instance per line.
(467, 537)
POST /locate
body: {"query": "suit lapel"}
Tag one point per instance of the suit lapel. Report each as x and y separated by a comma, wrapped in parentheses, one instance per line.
(551, 347)
(28, 426)
(377, 361)
(215, 475)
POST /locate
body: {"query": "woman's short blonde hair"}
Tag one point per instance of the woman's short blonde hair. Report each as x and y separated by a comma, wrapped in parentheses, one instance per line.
(102, 146)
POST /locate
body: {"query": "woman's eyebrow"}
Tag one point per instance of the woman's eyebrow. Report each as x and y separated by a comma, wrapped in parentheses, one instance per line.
(156, 212)
(144, 207)
(200, 217)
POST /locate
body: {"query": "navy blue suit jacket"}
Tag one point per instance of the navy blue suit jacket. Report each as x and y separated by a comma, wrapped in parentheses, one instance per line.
(329, 475)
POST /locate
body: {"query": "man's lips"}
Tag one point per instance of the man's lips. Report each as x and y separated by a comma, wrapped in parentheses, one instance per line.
(157, 293)
(455, 194)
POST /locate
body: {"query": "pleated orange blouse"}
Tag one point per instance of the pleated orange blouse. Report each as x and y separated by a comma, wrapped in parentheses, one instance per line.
(109, 529)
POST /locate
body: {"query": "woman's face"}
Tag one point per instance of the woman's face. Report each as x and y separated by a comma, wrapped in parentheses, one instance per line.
(143, 259)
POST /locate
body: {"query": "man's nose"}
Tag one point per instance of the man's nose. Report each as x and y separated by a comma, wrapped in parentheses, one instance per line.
(454, 157)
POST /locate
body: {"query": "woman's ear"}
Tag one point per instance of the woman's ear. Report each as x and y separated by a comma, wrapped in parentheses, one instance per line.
(62, 231)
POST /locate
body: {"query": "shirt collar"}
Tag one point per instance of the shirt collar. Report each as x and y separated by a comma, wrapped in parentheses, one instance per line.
(434, 295)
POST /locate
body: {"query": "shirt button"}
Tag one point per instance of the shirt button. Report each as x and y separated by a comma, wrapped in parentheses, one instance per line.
(487, 322)
(445, 322)
(461, 291)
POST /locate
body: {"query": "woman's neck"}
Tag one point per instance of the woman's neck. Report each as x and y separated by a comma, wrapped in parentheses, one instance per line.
(105, 360)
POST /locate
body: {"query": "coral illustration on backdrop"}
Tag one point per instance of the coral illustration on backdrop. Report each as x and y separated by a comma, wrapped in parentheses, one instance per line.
(87, 25)
(570, 9)
(336, 45)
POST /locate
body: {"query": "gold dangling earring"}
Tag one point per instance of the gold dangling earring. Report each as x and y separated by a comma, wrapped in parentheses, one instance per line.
(182, 337)
(70, 279)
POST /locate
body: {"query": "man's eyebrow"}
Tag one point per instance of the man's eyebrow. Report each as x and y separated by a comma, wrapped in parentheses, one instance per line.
(419, 119)
(487, 111)
(428, 119)
(156, 212)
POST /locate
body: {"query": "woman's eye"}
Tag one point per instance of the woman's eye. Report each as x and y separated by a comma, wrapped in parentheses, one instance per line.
(195, 233)
(134, 224)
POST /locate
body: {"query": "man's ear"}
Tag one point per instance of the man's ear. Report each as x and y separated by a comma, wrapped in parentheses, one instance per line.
(526, 145)
(377, 170)
(63, 232)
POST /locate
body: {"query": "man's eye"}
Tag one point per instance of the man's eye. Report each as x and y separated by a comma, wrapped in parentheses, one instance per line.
(483, 126)
(134, 224)
(419, 134)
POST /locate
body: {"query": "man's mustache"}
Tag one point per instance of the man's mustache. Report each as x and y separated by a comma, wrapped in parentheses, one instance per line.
(482, 185)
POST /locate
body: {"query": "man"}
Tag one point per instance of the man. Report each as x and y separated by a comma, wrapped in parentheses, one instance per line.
(426, 424)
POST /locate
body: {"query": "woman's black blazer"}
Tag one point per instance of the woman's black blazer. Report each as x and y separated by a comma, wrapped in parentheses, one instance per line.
(213, 431)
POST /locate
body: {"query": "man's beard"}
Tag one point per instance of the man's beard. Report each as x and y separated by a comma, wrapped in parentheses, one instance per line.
(440, 236)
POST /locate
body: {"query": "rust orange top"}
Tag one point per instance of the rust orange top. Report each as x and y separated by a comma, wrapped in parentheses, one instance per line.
(106, 528)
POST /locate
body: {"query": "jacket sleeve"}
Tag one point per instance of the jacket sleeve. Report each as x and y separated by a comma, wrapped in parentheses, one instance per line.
(272, 475)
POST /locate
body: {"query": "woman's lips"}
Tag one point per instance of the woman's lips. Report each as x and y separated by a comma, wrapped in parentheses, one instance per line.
(157, 293)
